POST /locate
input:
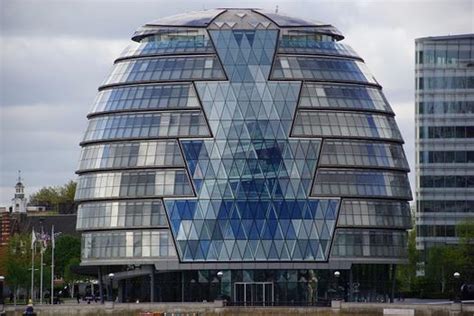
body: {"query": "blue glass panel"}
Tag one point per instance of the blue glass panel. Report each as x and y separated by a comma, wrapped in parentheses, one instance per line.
(254, 181)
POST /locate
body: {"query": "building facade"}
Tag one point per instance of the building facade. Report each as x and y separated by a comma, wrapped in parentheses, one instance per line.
(19, 200)
(444, 137)
(243, 154)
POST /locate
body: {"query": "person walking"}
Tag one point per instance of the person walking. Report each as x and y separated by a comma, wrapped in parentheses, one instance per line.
(29, 308)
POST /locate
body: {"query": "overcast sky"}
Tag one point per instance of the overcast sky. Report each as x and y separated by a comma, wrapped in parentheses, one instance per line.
(54, 55)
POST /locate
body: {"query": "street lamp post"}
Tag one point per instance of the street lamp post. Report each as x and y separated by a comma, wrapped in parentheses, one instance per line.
(457, 294)
(111, 278)
(337, 274)
(2, 279)
(220, 274)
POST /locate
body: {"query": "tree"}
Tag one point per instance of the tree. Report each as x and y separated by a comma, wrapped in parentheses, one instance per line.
(441, 263)
(67, 247)
(59, 198)
(69, 276)
(465, 231)
(406, 274)
(18, 262)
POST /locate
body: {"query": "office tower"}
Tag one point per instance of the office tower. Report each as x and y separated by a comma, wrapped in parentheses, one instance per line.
(444, 137)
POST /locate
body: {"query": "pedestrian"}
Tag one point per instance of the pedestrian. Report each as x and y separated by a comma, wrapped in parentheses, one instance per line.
(29, 308)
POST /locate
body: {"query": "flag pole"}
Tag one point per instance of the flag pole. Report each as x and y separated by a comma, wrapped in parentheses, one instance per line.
(52, 265)
(41, 267)
(41, 276)
(33, 248)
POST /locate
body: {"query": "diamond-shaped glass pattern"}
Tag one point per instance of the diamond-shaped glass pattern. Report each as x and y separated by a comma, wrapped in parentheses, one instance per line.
(252, 181)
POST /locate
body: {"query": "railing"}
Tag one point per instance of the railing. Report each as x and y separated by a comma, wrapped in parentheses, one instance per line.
(319, 303)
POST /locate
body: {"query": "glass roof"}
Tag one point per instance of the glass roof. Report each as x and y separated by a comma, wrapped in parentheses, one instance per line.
(205, 17)
(194, 18)
(284, 20)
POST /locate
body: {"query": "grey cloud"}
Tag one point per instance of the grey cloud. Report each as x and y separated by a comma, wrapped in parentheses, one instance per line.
(56, 53)
(54, 70)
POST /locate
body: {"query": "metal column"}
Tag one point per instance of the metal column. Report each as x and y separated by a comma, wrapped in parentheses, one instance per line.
(351, 286)
(394, 281)
(152, 284)
(101, 286)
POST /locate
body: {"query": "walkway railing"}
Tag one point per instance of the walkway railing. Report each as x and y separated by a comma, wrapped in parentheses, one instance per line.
(319, 303)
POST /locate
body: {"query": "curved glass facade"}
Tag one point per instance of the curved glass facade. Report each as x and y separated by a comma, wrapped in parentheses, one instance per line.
(147, 126)
(375, 213)
(350, 243)
(321, 69)
(166, 69)
(139, 154)
(120, 214)
(344, 97)
(294, 44)
(365, 183)
(126, 184)
(149, 97)
(345, 124)
(143, 244)
(243, 141)
(370, 154)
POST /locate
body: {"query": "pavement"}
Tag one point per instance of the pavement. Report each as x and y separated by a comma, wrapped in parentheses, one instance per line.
(430, 301)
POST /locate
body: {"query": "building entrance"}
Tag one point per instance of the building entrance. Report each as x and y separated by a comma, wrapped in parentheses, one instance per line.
(253, 293)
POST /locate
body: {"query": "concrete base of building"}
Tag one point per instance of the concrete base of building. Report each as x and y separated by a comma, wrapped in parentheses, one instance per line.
(336, 304)
(218, 308)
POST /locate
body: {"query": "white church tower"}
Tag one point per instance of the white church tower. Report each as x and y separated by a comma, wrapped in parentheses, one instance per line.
(19, 201)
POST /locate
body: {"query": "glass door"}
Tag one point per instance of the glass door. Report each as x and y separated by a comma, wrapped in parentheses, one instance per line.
(268, 290)
(239, 293)
(253, 293)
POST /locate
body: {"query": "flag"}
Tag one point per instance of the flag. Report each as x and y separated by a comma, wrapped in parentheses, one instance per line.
(52, 237)
(33, 238)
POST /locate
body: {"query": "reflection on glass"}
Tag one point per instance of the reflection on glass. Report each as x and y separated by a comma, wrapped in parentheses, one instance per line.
(133, 184)
(121, 214)
(369, 243)
(150, 97)
(360, 183)
(136, 244)
(162, 153)
(150, 125)
(345, 124)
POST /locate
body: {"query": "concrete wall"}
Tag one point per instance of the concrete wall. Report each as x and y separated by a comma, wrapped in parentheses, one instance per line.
(346, 309)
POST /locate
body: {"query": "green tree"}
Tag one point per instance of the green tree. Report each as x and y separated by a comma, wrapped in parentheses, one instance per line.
(58, 198)
(69, 276)
(441, 263)
(68, 247)
(406, 273)
(18, 263)
(465, 231)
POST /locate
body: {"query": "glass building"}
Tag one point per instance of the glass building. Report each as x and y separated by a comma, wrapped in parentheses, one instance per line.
(444, 137)
(246, 155)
